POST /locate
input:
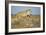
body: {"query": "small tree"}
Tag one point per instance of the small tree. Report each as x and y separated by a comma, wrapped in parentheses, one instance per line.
(29, 12)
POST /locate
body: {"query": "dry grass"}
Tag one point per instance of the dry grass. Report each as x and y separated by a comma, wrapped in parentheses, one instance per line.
(25, 22)
(36, 21)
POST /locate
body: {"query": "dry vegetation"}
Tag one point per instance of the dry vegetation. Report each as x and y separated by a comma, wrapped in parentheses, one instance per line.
(36, 21)
(25, 22)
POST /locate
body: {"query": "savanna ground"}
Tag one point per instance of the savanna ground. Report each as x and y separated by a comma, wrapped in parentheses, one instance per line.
(25, 22)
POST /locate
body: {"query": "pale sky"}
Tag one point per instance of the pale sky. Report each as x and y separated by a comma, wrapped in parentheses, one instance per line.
(16, 9)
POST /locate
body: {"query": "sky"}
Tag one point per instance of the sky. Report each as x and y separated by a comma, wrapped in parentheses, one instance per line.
(16, 9)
